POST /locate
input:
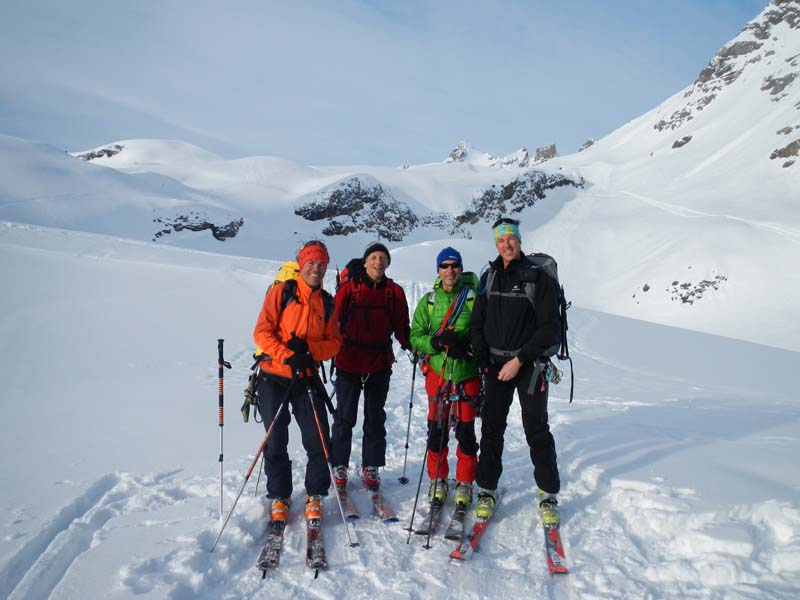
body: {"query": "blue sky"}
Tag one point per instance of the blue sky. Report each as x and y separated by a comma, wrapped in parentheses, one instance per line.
(349, 81)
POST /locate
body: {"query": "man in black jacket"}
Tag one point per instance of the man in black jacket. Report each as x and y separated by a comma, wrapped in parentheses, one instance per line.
(510, 335)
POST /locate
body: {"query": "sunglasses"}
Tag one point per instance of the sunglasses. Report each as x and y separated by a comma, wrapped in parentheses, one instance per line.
(452, 265)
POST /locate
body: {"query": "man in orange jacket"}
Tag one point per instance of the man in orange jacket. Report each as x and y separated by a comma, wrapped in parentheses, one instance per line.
(296, 336)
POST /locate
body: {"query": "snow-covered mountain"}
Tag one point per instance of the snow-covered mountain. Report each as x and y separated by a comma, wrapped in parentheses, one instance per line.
(687, 215)
(123, 265)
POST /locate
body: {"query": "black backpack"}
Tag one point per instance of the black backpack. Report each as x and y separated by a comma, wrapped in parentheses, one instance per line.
(540, 262)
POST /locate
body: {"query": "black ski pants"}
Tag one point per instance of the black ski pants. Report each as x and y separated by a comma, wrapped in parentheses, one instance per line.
(277, 466)
(494, 418)
(348, 390)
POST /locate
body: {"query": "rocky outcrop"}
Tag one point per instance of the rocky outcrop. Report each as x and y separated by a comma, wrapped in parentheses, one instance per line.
(359, 204)
(459, 153)
(751, 46)
(105, 152)
(513, 197)
(196, 221)
(789, 150)
(689, 293)
(465, 152)
(545, 153)
(682, 142)
(587, 144)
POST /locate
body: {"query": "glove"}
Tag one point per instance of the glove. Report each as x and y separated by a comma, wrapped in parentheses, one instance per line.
(458, 351)
(297, 345)
(448, 339)
(300, 361)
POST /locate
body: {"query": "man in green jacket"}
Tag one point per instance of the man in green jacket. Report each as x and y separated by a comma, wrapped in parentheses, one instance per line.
(441, 332)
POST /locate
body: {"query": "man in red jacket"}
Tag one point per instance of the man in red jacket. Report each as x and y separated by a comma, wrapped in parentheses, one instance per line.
(371, 307)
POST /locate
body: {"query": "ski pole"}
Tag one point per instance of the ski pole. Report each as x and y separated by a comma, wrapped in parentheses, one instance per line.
(416, 498)
(328, 459)
(403, 479)
(260, 451)
(220, 376)
(424, 460)
(258, 477)
(444, 409)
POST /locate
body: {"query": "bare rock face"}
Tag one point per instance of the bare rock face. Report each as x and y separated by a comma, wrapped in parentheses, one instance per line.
(789, 150)
(587, 144)
(545, 153)
(105, 152)
(354, 205)
(682, 142)
(197, 221)
(513, 197)
(459, 153)
(689, 293)
(754, 43)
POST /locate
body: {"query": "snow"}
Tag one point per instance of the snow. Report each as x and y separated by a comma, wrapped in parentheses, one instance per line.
(676, 455)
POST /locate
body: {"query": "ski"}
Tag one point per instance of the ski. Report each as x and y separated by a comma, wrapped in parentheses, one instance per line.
(271, 552)
(315, 547)
(470, 543)
(455, 529)
(554, 549)
(350, 511)
(431, 521)
(382, 508)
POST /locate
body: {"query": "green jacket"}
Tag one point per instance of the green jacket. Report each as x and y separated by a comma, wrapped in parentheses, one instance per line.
(428, 318)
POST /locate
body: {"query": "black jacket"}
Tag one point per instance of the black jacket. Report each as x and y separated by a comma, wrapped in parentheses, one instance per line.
(509, 322)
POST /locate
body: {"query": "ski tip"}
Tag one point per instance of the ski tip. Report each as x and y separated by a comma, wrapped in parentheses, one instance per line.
(455, 554)
(391, 519)
(263, 573)
(561, 570)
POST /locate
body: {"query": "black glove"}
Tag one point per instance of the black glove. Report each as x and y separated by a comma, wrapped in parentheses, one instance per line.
(297, 345)
(300, 361)
(445, 338)
(458, 351)
(448, 339)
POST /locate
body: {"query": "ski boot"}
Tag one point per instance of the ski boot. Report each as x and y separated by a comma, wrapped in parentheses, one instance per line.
(484, 508)
(548, 508)
(463, 494)
(340, 476)
(279, 509)
(313, 507)
(371, 478)
(438, 490)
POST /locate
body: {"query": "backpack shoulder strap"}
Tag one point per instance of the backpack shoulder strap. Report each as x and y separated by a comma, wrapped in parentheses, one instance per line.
(289, 292)
(328, 304)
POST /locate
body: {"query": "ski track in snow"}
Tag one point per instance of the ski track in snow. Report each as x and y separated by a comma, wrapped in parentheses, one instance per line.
(38, 567)
(623, 538)
(681, 211)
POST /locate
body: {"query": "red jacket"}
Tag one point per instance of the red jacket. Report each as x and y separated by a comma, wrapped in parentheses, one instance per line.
(305, 317)
(370, 313)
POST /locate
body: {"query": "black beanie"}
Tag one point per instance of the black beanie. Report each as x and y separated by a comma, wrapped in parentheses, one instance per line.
(378, 247)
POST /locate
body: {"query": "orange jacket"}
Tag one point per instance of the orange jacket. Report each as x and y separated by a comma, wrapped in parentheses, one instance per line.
(304, 317)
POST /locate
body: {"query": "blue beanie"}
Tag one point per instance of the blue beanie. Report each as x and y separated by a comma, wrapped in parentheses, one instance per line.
(448, 254)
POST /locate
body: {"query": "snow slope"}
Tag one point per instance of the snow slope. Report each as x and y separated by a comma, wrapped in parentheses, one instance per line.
(677, 455)
(688, 216)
